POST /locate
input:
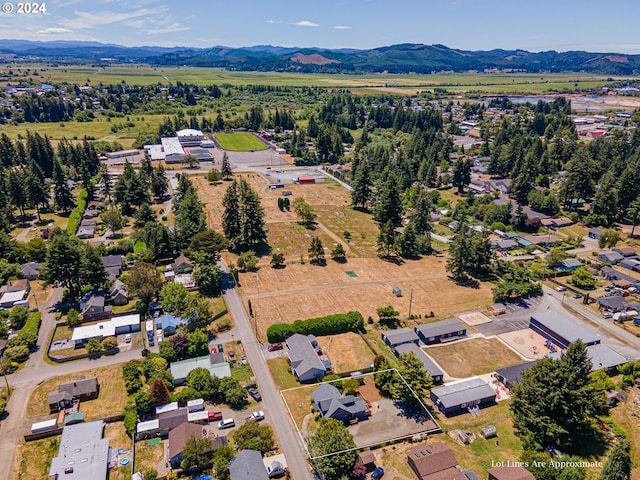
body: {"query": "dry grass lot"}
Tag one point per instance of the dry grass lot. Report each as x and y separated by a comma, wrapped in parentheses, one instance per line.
(148, 457)
(305, 291)
(347, 351)
(473, 357)
(111, 399)
(293, 240)
(33, 459)
(118, 438)
(297, 398)
(627, 415)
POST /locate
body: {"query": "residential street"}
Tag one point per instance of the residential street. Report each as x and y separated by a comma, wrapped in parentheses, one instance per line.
(289, 440)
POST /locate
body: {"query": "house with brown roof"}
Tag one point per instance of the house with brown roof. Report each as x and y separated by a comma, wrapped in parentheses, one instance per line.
(434, 462)
(178, 439)
(510, 472)
(182, 264)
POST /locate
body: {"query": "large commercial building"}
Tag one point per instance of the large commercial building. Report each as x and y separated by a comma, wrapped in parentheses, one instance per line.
(173, 151)
(560, 330)
(83, 453)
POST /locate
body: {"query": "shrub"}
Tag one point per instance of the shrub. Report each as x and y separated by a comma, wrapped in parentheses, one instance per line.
(331, 324)
(28, 336)
(16, 354)
(109, 343)
(76, 214)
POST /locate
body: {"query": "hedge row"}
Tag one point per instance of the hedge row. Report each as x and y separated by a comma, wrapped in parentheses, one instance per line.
(18, 347)
(76, 215)
(331, 324)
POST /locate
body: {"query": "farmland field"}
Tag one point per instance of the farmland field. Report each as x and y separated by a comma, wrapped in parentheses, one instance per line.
(140, 74)
(239, 141)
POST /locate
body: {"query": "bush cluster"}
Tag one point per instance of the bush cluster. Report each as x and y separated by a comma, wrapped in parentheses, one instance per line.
(76, 214)
(331, 324)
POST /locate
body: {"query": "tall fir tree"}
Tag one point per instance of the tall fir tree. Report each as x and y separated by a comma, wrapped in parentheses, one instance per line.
(231, 214)
(225, 169)
(251, 215)
(388, 205)
(62, 195)
(361, 192)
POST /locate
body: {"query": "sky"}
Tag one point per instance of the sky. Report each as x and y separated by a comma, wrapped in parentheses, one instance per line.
(464, 24)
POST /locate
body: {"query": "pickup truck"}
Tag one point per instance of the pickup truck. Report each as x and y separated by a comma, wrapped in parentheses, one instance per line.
(215, 416)
(255, 416)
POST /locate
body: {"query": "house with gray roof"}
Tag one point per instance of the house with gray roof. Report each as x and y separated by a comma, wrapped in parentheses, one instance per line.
(613, 304)
(509, 376)
(94, 308)
(461, 396)
(602, 357)
(304, 360)
(247, 465)
(82, 454)
(31, 270)
(428, 365)
(508, 244)
(442, 331)
(80, 389)
(609, 256)
(400, 336)
(569, 265)
(612, 274)
(119, 293)
(331, 404)
(632, 263)
(594, 233)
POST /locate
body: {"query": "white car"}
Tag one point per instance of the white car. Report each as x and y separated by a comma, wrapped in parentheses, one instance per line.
(561, 289)
(255, 416)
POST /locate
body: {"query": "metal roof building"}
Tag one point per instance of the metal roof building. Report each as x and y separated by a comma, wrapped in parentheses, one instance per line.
(463, 395)
(428, 364)
(82, 454)
(400, 336)
(560, 330)
(442, 331)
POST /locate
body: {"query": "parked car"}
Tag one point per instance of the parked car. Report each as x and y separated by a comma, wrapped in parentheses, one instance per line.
(227, 423)
(377, 473)
(607, 315)
(255, 394)
(232, 355)
(243, 359)
(214, 350)
(220, 348)
(215, 416)
(577, 295)
(274, 346)
(127, 338)
(255, 416)
(561, 289)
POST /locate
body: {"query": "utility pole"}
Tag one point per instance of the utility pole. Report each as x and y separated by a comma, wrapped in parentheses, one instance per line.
(410, 300)
(7, 382)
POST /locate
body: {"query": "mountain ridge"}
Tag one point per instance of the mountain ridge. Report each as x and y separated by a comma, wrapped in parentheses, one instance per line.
(399, 58)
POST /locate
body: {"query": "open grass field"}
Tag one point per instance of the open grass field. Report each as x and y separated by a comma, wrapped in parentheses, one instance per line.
(239, 141)
(303, 291)
(141, 74)
(33, 459)
(473, 357)
(111, 398)
(347, 352)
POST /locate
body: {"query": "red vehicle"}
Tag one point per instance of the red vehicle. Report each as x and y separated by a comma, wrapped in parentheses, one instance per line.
(274, 346)
(214, 350)
(215, 416)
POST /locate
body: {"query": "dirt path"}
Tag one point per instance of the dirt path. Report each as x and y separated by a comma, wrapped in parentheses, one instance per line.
(342, 285)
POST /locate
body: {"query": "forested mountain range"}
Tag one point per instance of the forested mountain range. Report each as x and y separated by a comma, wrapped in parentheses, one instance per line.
(402, 58)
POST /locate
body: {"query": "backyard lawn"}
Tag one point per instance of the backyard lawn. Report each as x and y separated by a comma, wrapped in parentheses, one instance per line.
(473, 357)
(33, 459)
(148, 455)
(111, 398)
(347, 351)
(239, 141)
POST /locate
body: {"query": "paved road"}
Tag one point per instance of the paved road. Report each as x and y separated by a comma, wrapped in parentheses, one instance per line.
(290, 442)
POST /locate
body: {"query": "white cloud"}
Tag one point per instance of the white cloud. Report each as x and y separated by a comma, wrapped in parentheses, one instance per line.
(306, 23)
(174, 27)
(86, 20)
(341, 27)
(54, 31)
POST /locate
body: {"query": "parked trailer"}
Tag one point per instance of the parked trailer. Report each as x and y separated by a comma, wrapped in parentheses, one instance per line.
(45, 426)
(276, 185)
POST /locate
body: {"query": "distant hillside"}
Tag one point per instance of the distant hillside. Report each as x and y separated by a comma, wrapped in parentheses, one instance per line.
(403, 58)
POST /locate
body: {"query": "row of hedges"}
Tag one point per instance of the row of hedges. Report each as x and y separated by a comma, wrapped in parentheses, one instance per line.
(76, 215)
(25, 341)
(331, 324)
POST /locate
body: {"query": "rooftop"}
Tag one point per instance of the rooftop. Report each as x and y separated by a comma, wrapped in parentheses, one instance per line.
(435, 329)
(400, 335)
(567, 329)
(427, 362)
(82, 454)
(247, 465)
(463, 391)
(302, 355)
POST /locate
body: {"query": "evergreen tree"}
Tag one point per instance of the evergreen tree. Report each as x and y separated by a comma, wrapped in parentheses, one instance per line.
(361, 192)
(37, 189)
(386, 239)
(107, 183)
(633, 214)
(408, 242)
(225, 169)
(460, 250)
(62, 193)
(618, 464)
(389, 204)
(159, 183)
(461, 174)
(251, 216)
(556, 401)
(145, 214)
(190, 218)
(316, 251)
(16, 190)
(417, 382)
(231, 214)
(159, 393)
(421, 212)
(605, 202)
